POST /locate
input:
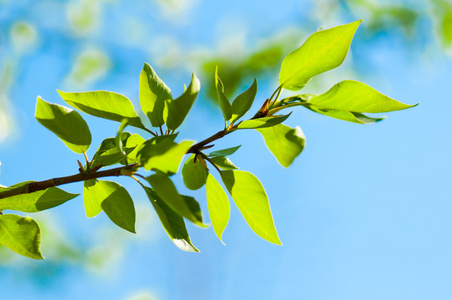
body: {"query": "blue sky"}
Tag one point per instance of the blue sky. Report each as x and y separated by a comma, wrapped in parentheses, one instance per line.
(363, 213)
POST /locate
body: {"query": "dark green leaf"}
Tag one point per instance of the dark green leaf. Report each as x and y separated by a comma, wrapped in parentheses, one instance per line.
(66, 123)
(223, 163)
(225, 152)
(167, 191)
(153, 94)
(21, 234)
(103, 104)
(218, 205)
(36, 201)
(250, 197)
(225, 106)
(194, 174)
(263, 122)
(176, 110)
(172, 222)
(243, 102)
(284, 142)
(322, 51)
(108, 152)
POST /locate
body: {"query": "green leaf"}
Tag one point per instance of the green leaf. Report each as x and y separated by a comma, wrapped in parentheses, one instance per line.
(223, 163)
(114, 200)
(349, 116)
(446, 27)
(103, 104)
(250, 197)
(284, 142)
(218, 205)
(173, 223)
(21, 234)
(262, 122)
(118, 139)
(349, 95)
(243, 102)
(225, 152)
(36, 201)
(91, 200)
(194, 174)
(66, 123)
(153, 94)
(163, 154)
(108, 152)
(322, 51)
(167, 191)
(177, 110)
(133, 142)
(225, 106)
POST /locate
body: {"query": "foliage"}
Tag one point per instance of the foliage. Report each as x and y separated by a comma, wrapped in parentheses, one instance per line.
(160, 155)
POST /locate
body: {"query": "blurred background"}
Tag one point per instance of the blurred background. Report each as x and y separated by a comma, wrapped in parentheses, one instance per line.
(363, 213)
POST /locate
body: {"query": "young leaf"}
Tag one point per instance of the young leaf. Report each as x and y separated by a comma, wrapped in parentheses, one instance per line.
(177, 110)
(167, 191)
(349, 95)
(223, 163)
(263, 122)
(225, 152)
(243, 102)
(153, 94)
(322, 51)
(163, 154)
(225, 106)
(36, 201)
(66, 123)
(91, 200)
(194, 174)
(22, 235)
(173, 223)
(114, 200)
(284, 142)
(108, 152)
(250, 197)
(218, 206)
(103, 104)
(133, 142)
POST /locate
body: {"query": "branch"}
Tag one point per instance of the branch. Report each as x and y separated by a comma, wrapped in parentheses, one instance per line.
(42, 185)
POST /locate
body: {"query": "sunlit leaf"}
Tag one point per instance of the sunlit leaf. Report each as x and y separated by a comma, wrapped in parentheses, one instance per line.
(133, 142)
(223, 163)
(177, 110)
(349, 95)
(262, 122)
(108, 152)
(284, 142)
(167, 191)
(91, 200)
(21, 234)
(194, 174)
(251, 199)
(36, 201)
(218, 205)
(324, 50)
(103, 104)
(225, 152)
(153, 94)
(243, 102)
(349, 116)
(66, 123)
(225, 106)
(173, 223)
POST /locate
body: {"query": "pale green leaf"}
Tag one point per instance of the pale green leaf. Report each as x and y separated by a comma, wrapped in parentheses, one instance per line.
(173, 223)
(243, 102)
(225, 106)
(133, 142)
(103, 104)
(223, 163)
(66, 123)
(349, 95)
(251, 199)
(91, 199)
(322, 51)
(194, 174)
(36, 201)
(225, 152)
(262, 122)
(21, 234)
(284, 142)
(349, 116)
(153, 94)
(177, 110)
(218, 206)
(167, 191)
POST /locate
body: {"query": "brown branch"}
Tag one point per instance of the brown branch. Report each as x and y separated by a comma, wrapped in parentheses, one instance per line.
(42, 185)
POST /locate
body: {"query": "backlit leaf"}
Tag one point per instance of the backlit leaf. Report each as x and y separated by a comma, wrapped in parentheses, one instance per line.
(218, 205)
(21, 234)
(91, 199)
(103, 104)
(194, 174)
(349, 116)
(223, 163)
(225, 152)
(225, 106)
(262, 122)
(284, 142)
(108, 152)
(66, 123)
(243, 102)
(324, 50)
(251, 199)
